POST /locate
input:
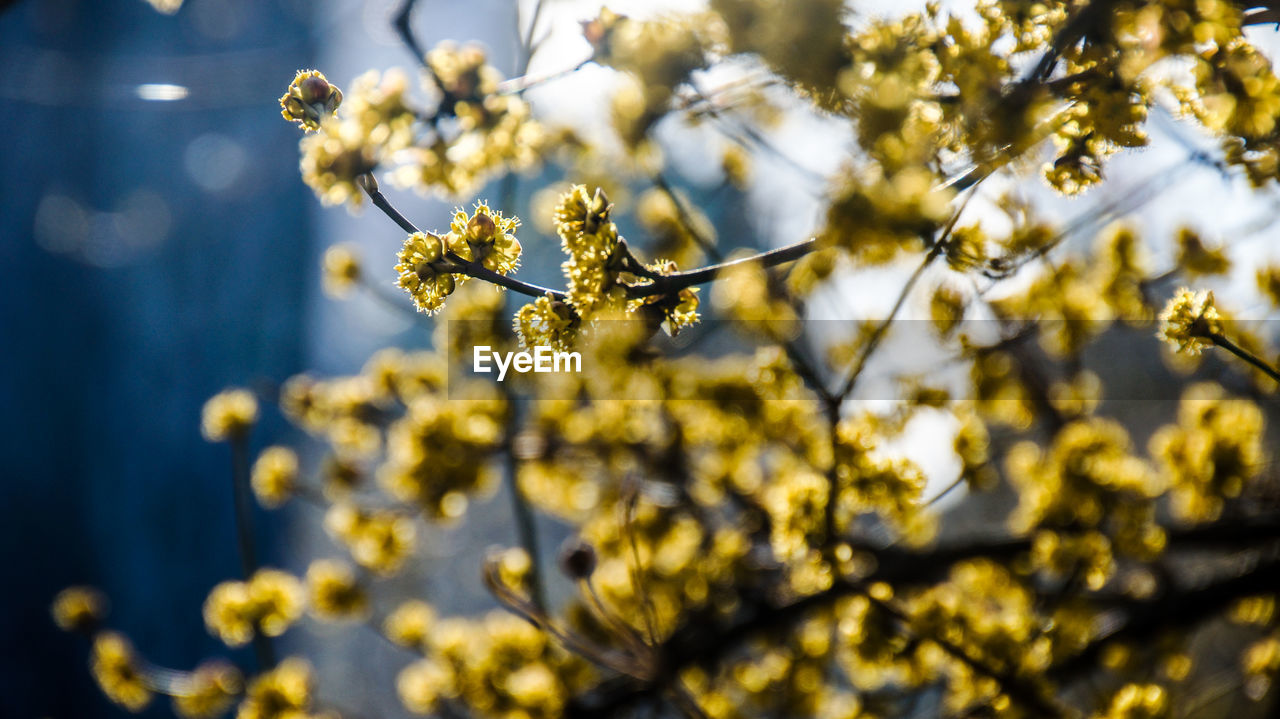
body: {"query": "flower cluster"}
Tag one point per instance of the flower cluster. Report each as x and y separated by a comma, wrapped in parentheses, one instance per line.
(472, 132)
(747, 537)
(499, 665)
(431, 266)
(378, 540)
(438, 453)
(660, 55)
(1190, 321)
(1212, 452)
(268, 603)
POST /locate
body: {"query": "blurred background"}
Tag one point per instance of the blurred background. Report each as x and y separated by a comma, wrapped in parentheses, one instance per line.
(157, 245)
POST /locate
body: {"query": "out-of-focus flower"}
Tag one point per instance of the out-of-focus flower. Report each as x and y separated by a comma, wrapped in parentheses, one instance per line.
(274, 476)
(79, 609)
(229, 415)
(335, 592)
(119, 672)
(280, 693)
(410, 624)
(269, 602)
(378, 540)
(207, 691)
(341, 270)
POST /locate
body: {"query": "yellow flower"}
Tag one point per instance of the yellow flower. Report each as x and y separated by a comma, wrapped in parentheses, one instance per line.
(589, 238)
(546, 322)
(424, 271)
(421, 685)
(281, 693)
(335, 593)
(673, 312)
(341, 270)
(274, 476)
(309, 99)
(1212, 453)
(229, 415)
(335, 158)
(207, 691)
(78, 609)
(1262, 658)
(410, 624)
(277, 598)
(378, 540)
(1195, 258)
(269, 602)
(228, 613)
(1138, 701)
(118, 671)
(488, 238)
(1189, 320)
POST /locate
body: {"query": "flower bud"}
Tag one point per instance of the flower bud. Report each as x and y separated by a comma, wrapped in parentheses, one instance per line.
(313, 89)
(309, 99)
(481, 228)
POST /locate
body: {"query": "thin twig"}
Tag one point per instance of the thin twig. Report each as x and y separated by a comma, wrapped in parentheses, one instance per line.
(879, 333)
(401, 23)
(685, 215)
(676, 281)
(660, 285)
(526, 522)
(518, 85)
(241, 498)
(1238, 351)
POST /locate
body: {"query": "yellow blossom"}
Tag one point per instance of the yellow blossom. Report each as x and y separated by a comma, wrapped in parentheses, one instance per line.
(208, 691)
(335, 592)
(1189, 321)
(274, 476)
(229, 415)
(79, 609)
(119, 672)
(309, 99)
(341, 270)
(284, 692)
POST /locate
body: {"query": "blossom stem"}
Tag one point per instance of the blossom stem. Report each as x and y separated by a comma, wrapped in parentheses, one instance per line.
(461, 265)
(526, 523)
(685, 216)
(1235, 349)
(380, 201)
(677, 281)
(662, 285)
(262, 647)
(518, 85)
(401, 23)
(878, 335)
(480, 272)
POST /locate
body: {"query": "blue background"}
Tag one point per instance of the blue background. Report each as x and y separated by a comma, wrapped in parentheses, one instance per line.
(112, 337)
